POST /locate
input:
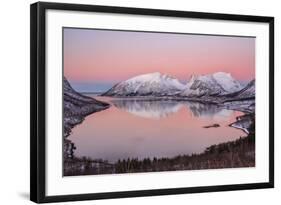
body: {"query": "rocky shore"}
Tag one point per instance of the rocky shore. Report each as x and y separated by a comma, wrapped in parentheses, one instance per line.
(76, 108)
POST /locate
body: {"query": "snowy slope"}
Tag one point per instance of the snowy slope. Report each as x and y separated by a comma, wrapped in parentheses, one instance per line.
(216, 84)
(152, 84)
(77, 106)
(247, 92)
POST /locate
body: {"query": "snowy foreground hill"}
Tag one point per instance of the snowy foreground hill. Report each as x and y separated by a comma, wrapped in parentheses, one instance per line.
(77, 106)
(156, 84)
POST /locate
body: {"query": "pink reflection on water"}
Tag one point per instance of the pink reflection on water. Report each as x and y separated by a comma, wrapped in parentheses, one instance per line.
(125, 132)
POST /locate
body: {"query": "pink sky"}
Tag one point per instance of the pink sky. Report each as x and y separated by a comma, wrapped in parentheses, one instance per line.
(111, 56)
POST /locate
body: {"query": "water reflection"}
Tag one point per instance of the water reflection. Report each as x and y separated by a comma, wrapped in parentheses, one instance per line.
(208, 110)
(142, 128)
(157, 109)
(148, 109)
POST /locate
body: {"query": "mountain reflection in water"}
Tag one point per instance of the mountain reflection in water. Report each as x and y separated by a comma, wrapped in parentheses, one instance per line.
(159, 109)
(148, 109)
(140, 128)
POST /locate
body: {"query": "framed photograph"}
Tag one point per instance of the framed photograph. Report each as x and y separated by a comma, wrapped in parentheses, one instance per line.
(129, 102)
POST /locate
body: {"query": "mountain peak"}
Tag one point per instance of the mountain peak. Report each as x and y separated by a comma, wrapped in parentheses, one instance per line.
(145, 77)
(220, 73)
(218, 83)
(147, 84)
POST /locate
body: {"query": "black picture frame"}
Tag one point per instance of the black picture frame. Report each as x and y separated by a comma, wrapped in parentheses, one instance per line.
(38, 101)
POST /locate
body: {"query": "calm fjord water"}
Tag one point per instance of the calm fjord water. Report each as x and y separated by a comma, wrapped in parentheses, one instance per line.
(140, 129)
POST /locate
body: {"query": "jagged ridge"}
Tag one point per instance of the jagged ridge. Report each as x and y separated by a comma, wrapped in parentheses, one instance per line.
(216, 84)
(151, 84)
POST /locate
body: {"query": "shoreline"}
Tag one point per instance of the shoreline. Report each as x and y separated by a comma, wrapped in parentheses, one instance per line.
(231, 154)
(203, 99)
(74, 166)
(234, 104)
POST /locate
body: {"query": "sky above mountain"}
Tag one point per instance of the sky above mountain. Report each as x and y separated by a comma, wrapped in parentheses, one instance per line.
(94, 60)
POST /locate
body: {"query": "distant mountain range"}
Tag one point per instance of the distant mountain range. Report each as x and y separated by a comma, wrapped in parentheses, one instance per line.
(219, 84)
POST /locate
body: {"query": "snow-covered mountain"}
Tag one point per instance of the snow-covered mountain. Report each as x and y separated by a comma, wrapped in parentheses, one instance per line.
(216, 84)
(151, 84)
(247, 92)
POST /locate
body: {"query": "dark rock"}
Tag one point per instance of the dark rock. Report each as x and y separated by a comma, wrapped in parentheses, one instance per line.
(213, 125)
